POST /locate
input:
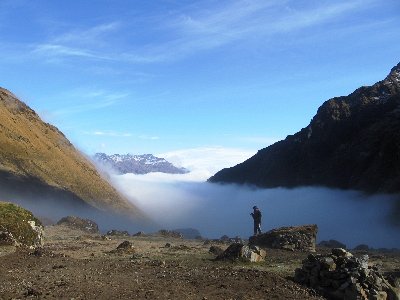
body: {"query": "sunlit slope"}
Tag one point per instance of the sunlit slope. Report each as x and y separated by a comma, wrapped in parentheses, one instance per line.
(32, 149)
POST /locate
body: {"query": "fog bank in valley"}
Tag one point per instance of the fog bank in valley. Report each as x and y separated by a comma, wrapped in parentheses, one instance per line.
(181, 201)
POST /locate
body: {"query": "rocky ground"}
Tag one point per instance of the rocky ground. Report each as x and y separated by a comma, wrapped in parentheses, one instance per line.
(76, 265)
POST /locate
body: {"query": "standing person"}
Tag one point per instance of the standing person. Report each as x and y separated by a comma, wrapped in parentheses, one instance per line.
(256, 214)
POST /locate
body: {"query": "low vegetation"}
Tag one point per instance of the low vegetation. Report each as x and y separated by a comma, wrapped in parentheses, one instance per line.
(14, 219)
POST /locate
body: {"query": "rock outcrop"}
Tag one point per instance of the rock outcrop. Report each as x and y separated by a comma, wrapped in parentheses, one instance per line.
(351, 143)
(238, 251)
(301, 238)
(85, 225)
(18, 227)
(340, 275)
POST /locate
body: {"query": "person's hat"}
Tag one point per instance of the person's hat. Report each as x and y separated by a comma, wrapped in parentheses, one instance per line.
(255, 207)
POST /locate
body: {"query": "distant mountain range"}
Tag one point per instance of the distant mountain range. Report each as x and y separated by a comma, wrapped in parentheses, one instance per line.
(137, 164)
(42, 170)
(353, 142)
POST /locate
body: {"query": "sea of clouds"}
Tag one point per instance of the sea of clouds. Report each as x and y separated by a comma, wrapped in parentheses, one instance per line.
(188, 201)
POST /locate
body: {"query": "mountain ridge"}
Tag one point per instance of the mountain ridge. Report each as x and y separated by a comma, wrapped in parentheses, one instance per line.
(351, 143)
(137, 164)
(38, 162)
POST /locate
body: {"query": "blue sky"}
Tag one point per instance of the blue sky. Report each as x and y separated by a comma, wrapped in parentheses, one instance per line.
(161, 76)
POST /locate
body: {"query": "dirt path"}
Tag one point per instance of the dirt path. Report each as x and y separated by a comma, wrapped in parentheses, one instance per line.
(75, 266)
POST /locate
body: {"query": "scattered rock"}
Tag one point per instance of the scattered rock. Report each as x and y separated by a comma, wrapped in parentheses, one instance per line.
(105, 238)
(189, 233)
(216, 250)
(140, 233)
(19, 227)
(32, 292)
(7, 239)
(300, 238)
(170, 233)
(224, 238)
(239, 251)
(341, 275)
(114, 232)
(85, 225)
(125, 247)
(332, 244)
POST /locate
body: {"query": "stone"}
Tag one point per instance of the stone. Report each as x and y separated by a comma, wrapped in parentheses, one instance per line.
(341, 275)
(327, 263)
(216, 250)
(224, 238)
(7, 239)
(170, 233)
(189, 233)
(296, 238)
(105, 238)
(125, 247)
(115, 232)
(139, 233)
(340, 252)
(19, 227)
(85, 225)
(238, 251)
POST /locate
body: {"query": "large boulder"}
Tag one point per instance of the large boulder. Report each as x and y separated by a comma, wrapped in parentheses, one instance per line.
(126, 247)
(85, 225)
(19, 227)
(238, 251)
(341, 275)
(300, 238)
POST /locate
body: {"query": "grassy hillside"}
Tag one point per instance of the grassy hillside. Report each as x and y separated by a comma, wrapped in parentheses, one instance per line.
(31, 148)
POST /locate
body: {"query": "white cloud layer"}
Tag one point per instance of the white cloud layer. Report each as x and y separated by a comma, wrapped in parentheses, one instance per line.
(185, 200)
(205, 161)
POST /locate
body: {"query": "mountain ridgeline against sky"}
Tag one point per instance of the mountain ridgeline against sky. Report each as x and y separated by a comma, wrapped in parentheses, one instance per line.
(40, 168)
(353, 142)
(137, 164)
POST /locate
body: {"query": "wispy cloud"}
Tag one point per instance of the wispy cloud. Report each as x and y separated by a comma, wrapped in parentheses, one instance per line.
(89, 36)
(86, 43)
(149, 137)
(208, 29)
(90, 100)
(193, 30)
(109, 133)
(56, 50)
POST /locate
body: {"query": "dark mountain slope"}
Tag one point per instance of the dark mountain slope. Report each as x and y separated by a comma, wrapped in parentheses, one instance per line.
(38, 165)
(353, 142)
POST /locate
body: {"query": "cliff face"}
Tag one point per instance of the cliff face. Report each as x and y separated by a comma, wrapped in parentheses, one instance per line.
(38, 163)
(352, 142)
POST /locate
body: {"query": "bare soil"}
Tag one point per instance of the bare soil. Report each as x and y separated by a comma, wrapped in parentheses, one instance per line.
(74, 265)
